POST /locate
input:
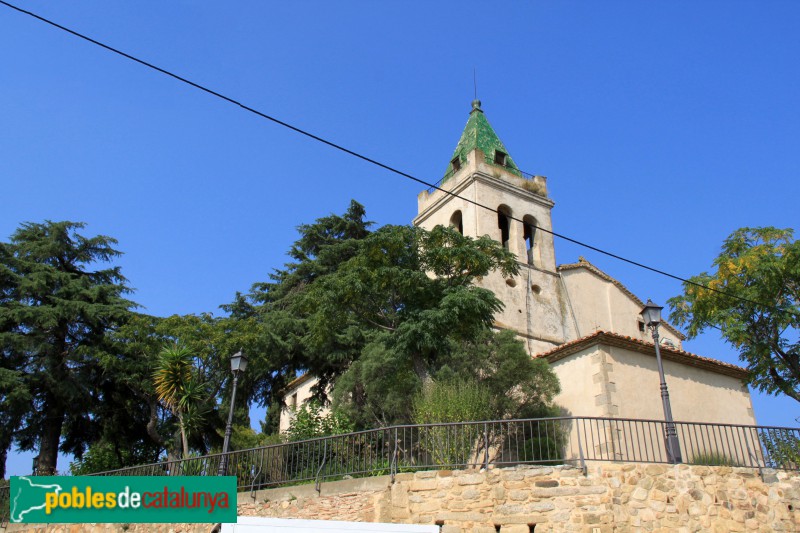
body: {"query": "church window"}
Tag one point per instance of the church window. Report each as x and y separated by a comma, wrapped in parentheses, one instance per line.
(503, 215)
(500, 158)
(293, 403)
(529, 235)
(457, 222)
(456, 163)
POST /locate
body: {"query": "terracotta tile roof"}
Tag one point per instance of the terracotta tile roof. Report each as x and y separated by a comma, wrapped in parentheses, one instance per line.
(667, 353)
(296, 382)
(583, 263)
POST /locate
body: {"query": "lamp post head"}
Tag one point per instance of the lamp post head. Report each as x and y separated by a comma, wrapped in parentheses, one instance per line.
(651, 313)
(238, 362)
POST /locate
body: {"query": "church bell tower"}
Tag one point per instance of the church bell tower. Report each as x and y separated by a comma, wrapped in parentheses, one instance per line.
(516, 210)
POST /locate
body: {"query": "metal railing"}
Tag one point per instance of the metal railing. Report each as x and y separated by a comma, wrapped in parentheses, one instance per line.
(496, 443)
(564, 440)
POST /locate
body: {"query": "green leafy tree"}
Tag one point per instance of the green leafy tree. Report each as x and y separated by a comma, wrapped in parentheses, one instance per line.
(56, 308)
(210, 341)
(135, 419)
(408, 288)
(761, 266)
(386, 321)
(519, 386)
(273, 315)
(103, 456)
(380, 313)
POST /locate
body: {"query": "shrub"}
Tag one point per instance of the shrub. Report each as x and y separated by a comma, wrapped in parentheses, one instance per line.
(713, 459)
(452, 401)
(310, 422)
(782, 447)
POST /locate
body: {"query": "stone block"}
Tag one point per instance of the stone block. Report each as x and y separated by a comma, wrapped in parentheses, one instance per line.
(531, 518)
(655, 470)
(429, 506)
(513, 528)
(456, 505)
(399, 495)
(471, 494)
(592, 490)
(540, 507)
(471, 479)
(509, 509)
(555, 491)
(422, 484)
(591, 518)
(518, 495)
(448, 516)
(538, 471)
(658, 506)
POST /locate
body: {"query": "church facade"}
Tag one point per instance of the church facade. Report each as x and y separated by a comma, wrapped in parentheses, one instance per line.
(584, 322)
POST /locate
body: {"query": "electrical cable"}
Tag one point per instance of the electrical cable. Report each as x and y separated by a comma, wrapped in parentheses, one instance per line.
(378, 163)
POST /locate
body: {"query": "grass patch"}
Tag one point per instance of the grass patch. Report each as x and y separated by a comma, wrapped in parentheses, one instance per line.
(713, 459)
(534, 187)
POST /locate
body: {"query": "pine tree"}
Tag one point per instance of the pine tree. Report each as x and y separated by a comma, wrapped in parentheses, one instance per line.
(55, 312)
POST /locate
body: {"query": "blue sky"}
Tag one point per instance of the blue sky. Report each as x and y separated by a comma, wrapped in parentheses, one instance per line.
(683, 111)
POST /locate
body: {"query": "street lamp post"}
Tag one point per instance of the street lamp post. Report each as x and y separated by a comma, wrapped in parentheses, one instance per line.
(238, 364)
(652, 318)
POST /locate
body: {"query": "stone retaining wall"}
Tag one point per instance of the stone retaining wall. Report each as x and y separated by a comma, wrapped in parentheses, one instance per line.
(612, 498)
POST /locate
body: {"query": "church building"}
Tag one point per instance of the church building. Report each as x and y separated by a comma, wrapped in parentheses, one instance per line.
(585, 323)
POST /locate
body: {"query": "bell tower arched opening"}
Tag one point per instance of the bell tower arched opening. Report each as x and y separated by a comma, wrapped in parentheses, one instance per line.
(504, 224)
(529, 226)
(457, 222)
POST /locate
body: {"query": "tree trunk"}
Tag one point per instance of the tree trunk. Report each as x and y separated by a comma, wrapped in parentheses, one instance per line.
(152, 424)
(421, 369)
(3, 457)
(6, 439)
(183, 437)
(50, 436)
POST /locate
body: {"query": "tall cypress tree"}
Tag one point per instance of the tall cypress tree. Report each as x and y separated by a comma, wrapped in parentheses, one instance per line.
(55, 311)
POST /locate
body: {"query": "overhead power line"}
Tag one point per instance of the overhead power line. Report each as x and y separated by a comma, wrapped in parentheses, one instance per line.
(373, 161)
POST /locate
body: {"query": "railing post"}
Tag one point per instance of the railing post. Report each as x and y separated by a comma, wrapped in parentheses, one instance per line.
(580, 446)
(486, 446)
(393, 463)
(318, 481)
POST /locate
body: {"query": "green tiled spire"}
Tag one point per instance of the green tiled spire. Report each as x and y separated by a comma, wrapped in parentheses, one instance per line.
(478, 133)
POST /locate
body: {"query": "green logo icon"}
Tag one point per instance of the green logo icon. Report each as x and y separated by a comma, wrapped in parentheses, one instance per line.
(133, 499)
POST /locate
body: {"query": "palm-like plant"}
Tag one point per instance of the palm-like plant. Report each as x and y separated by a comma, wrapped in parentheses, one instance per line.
(179, 388)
